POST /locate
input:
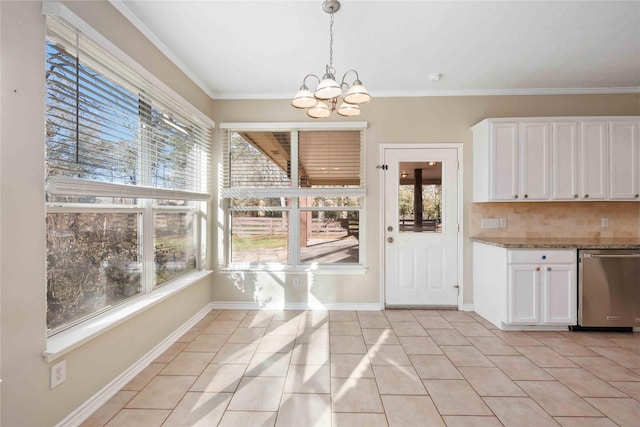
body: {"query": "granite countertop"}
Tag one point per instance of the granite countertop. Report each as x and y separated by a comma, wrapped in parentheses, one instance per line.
(560, 242)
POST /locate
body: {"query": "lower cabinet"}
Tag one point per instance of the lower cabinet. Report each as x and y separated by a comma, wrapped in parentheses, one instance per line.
(525, 287)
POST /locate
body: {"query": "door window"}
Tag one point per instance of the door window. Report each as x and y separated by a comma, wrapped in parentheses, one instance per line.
(420, 197)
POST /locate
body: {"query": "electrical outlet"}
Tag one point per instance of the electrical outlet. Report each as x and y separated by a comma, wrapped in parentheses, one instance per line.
(58, 374)
(503, 222)
(296, 282)
(489, 223)
(605, 222)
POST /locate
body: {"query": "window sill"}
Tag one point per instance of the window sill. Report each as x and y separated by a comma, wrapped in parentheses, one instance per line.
(317, 270)
(66, 341)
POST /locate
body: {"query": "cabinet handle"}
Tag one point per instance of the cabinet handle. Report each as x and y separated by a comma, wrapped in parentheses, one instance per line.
(526, 196)
(537, 268)
(586, 196)
(575, 196)
(636, 196)
(515, 197)
(548, 268)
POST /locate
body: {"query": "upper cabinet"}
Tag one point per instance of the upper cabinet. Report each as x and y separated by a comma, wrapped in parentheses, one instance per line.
(545, 159)
(593, 160)
(624, 156)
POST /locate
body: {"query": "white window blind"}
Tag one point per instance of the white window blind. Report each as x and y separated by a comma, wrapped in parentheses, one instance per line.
(330, 159)
(107, 124)
(261, 163)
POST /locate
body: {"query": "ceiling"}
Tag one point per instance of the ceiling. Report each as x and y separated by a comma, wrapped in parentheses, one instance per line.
(263, 49)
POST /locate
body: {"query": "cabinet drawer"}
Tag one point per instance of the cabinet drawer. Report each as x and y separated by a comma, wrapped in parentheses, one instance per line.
(539, 256)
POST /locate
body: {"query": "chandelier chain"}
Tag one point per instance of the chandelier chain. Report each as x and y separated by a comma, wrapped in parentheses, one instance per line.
(331, 42)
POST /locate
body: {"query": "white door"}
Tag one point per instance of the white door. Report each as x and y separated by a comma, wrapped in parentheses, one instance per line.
(624, 145)
(524, 294)
(534, 161)
(504, 161)
(559, 290)
(564, 160)
(421, 226)
(594, 156)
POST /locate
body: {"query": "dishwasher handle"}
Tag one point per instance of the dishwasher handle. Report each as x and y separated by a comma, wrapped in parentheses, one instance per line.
(634, 255)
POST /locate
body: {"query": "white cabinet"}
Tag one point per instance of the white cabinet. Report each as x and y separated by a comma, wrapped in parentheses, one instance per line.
(564, 160)
(533, 161)
(593, 160)
(525, 288)
(556, 158)
(503, 162)
(511, 161)
(624, 179)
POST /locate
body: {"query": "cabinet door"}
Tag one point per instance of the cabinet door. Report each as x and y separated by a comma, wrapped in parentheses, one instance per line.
(564, 160)
(503, 164)
(524, 294)
(559, 294)
(533, 153)
(593, 160)
(623, 160)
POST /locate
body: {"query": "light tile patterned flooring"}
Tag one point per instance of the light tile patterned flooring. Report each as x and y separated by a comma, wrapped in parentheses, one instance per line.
(394, 367)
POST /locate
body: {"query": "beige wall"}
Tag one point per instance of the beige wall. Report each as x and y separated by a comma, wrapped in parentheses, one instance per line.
(26, 397)
(397, 120)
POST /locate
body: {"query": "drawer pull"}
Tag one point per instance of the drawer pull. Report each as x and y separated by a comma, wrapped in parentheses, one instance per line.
(548, 268)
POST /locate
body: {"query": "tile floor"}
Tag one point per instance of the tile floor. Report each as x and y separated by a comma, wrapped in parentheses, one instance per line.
(391, 368)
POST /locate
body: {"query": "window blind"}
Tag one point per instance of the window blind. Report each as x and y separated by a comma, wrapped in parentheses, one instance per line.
(260, 163)
(105, 123)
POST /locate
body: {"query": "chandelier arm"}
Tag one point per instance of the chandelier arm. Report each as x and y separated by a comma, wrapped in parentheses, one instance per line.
(304, 81)
(345, 76)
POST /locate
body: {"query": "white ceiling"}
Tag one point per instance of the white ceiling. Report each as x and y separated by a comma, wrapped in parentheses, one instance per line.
(263, 49)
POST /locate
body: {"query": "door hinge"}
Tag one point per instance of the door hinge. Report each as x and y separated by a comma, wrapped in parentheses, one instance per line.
(383, 167)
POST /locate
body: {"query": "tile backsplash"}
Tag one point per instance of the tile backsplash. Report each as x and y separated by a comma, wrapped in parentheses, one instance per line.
(558, 219)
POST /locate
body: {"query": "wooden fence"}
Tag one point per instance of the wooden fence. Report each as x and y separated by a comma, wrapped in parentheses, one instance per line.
(250, 226)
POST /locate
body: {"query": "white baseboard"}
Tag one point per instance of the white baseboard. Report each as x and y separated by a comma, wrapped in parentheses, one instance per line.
(232, 305)
(466, 307)
(107, 392)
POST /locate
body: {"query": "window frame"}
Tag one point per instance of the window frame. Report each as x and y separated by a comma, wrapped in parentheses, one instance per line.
(60, 339)
(293, 193)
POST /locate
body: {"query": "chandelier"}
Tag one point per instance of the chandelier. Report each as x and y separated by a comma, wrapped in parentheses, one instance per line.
(328, 93)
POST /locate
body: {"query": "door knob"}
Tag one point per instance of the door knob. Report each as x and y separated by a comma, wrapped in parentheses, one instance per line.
(390, 239)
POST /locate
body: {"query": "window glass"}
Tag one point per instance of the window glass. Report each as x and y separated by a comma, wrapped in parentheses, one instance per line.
(259, 237)
(420, 197)
(329, 237)
(323, 201)
(93, 263)
(174, 244)
(259, 160)
(122, 156)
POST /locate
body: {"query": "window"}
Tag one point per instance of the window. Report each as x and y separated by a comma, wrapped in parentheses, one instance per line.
(294, 198)
(127, 172)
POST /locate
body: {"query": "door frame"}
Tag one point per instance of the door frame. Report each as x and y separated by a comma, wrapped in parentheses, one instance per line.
(458, 146)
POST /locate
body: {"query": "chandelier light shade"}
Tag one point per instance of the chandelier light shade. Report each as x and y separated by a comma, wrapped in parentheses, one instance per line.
(329, 93)
(320, 111)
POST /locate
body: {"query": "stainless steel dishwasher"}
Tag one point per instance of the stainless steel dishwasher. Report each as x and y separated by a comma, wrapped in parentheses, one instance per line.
(609, 289)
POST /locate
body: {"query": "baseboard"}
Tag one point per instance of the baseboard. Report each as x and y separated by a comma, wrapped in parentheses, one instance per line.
(107, 392)
(466, 307)
(232, 305)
